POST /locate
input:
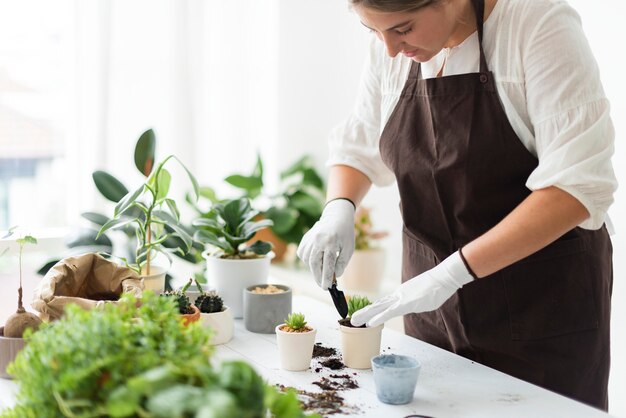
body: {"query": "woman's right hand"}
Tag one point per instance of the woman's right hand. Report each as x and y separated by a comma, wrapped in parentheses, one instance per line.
(328, 246)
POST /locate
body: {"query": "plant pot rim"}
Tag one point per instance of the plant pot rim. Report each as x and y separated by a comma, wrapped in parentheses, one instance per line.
(9, 338)
(278, 330)
(286, 289)
(207, 255)
(415, 363)
(353, 330)
(223, 311)
(159, 270)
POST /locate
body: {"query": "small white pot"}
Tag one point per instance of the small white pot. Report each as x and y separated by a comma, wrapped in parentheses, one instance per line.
(229, 277)
(221, 323)
(359, 345)
(295, 349)
(155, 281)
(365, 270)
(9, 347)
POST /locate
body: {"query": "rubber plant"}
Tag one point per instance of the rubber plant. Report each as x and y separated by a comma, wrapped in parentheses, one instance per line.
(156, 212)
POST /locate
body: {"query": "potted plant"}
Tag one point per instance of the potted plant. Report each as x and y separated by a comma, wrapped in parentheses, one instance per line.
(233, 264)
(265, 306)
(12, 333)
(188, 311)
(215, 315)
(157, 220)
(359, 344)
(365, 270)
(295, 343)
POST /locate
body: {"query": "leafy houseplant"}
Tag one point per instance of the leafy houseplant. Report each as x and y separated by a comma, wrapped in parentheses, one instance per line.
(135, 361)
(158, 215)
(233, 264)
(359, 345)
(365, 270)
(295, 342)
(215, 315)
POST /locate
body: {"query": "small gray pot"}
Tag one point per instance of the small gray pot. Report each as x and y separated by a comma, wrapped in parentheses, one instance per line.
(262, 313)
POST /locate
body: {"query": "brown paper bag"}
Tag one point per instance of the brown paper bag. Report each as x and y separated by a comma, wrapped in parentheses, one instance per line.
(88, 280)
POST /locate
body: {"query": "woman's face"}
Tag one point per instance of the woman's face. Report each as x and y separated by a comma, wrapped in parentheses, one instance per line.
(419, 34)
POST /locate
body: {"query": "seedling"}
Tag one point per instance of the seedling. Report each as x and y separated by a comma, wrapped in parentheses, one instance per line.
(181, 298)
(209, 302)
(356, 303)
(296, 322)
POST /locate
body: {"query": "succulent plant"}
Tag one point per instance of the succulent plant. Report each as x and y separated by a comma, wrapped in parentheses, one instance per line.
(356, 303)
(295, 321)
(208, 302)
(181, 298)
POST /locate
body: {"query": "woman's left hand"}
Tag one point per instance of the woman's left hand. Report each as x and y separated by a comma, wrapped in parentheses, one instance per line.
(422, 293)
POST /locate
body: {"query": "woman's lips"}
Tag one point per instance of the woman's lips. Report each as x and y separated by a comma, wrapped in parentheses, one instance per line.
(411, 54)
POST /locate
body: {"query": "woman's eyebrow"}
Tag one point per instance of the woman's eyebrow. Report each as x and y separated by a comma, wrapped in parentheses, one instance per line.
(391, 28)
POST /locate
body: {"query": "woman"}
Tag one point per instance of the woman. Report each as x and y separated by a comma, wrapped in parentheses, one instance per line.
(491, 116)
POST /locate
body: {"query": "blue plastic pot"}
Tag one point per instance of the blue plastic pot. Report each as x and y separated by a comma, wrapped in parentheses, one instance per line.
(395, 378)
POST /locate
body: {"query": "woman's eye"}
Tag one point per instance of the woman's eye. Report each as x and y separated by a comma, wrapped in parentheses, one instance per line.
(404, 32)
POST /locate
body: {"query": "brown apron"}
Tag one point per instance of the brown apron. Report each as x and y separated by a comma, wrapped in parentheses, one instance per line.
(461, 169)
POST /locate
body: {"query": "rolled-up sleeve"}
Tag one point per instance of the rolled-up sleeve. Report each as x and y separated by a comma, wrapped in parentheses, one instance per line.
(355, 142)
(570, 114)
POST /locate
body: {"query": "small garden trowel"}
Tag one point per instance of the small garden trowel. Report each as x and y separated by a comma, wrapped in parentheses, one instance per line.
(339, 299)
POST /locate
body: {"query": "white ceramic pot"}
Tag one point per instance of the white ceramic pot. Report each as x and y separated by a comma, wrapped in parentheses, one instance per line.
(230, 277)
(364, 271)
(221, 323)
(360, 345)
(154, 281)
(295, 349)
(9, 347)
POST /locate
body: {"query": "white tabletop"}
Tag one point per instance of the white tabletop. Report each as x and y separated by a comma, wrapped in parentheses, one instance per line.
(448, 385)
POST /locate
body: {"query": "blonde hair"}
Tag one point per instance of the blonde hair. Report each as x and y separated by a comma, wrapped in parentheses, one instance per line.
(392, 5)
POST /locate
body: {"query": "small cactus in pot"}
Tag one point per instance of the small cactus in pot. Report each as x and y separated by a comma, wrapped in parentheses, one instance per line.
(208, 302)
(295, 340)
(215, 315)
(359, 344)
(189, 311)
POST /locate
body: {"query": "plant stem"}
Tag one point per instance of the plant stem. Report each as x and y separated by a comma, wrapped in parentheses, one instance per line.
(20, 306)
(149, 232)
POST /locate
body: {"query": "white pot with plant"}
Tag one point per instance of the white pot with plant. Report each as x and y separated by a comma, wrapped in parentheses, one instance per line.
(156, 218)
(295, 343)
(359, 344)
(215, 315)
(11, 341)
(366, 268)
(233, 264)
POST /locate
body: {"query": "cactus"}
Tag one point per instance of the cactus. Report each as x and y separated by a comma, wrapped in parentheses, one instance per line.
(208, 302)
(356, 303)
(181, 299)
(295, 321)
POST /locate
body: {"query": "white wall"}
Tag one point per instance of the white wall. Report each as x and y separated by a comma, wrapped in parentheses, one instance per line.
(321, 51)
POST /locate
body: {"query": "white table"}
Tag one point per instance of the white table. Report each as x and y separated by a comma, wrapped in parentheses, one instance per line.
(448, 385)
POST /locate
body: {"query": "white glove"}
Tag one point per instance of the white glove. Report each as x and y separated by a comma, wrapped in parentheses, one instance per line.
(422, 293)
(328, 246)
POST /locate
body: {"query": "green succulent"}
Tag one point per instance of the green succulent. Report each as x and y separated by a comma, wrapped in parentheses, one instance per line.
(228, 228)
(180, 298)
(208, 302)
(356, 303)
(295, 321)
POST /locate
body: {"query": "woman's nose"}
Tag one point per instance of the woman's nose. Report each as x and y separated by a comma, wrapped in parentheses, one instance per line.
(393, 47)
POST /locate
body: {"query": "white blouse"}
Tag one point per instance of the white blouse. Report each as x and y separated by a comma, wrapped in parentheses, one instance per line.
(549, 85)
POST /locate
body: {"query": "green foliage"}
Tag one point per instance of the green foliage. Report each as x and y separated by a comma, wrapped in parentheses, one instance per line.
(180, 298)
(295, 321)
(157, 211)
(232, 225)
(135, 361)
(356, 303)
(208, 302)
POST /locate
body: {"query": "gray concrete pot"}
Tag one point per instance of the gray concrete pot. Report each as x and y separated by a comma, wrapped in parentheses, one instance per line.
(9, 347)
(264, 312)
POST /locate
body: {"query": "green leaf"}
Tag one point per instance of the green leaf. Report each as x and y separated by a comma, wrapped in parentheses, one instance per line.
(26, 239)
(173, 223)
(284, 218)
(233, 212)
(211, 224)
(123, 402)
(258, 168)
(164, 179)
(127, 201)
(96, 218)
(194, 182)
(145, 151)
(311, 177)
(171, 204)
(110, 187)
(247, 183)
(253, 227)
(306, 203)
(260, 247)
(116, 223)
(299, 166)
(210, 238)
(87, 236)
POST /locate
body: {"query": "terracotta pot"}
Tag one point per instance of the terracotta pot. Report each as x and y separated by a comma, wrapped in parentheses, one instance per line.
(229, 277)
(360, 345)
(192, 317)
(262, 312)
(9, 347)
(221, 323)
(365, 270)
(295, 348)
